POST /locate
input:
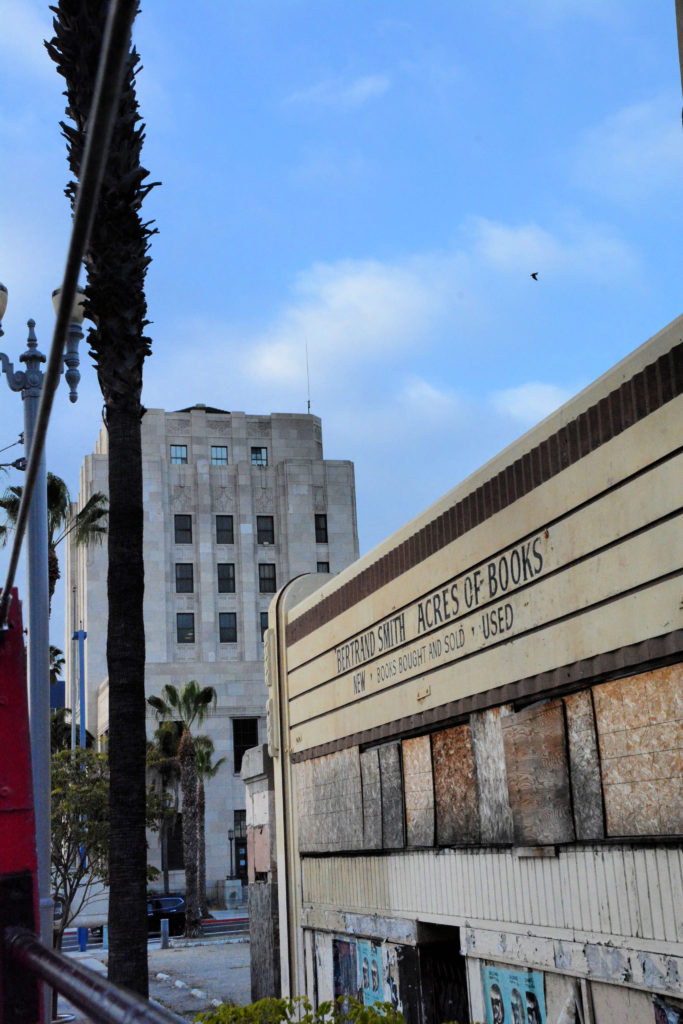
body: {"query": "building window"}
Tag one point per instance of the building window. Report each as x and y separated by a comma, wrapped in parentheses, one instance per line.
(266, 578)
(321, 529)
(323, 567)
(219, 455)
(244, 737)
(183, 529)
(264, 624)
(226, 577)
(265, 530)
(185, 627)
(184, 578)
(259, 456)
(227, 627)
(224, 530)
(179, 454)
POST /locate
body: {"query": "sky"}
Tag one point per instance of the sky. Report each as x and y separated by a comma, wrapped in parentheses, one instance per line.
(372, 183)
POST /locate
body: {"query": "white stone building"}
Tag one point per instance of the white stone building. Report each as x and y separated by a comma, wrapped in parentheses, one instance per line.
(234, 507)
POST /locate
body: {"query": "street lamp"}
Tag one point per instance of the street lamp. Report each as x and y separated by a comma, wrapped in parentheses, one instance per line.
(29, 382)
(231, 836)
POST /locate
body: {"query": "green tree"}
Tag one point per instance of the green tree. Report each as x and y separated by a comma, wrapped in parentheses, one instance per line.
(80, 829)
(87, 526)
(56, 664)
(187, 706)
(60, 731)
(116, 262)
(206, 769)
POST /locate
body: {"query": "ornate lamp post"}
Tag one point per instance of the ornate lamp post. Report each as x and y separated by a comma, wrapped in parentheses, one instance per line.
(29, 382)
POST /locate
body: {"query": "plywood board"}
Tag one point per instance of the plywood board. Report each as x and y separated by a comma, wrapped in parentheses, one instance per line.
(538, 775)
(584, 761)
(418, 785)
(455, 786)
(495, 816)
(393, 821)
(372, 800)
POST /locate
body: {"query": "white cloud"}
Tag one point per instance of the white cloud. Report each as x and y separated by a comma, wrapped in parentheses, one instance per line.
(635, 154)
(345, 95)
(531, 402)
(584, 250)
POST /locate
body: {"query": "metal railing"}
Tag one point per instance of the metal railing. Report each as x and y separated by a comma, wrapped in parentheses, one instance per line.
(96, 997)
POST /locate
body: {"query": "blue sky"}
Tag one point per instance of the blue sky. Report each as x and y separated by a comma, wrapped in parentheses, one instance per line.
(376, 180)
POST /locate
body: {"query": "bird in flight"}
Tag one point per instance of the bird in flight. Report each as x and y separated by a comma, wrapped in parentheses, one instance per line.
(535, 275)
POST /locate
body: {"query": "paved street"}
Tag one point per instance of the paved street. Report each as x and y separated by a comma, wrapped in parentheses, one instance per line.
(189, 976)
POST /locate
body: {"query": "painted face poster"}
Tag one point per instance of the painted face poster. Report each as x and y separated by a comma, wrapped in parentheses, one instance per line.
(513, 997)
(370, 972)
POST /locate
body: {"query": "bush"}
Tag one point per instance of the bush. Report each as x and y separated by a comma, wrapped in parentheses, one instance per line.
(300, 1010)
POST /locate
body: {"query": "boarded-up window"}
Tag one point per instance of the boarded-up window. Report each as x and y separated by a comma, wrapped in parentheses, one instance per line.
(372, 800)
(640, 729)
(418, 786)
(538, 776)
(584, 764)
(455, 787)
(393, 830)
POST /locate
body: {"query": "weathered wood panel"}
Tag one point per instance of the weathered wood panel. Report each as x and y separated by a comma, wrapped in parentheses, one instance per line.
(418, 785)
(584, 761)
(455, 785)
(393, 821)
(454, 887)
(640, 731)
(372, 800)
(495, 816)
(329, 799)
(538, 775)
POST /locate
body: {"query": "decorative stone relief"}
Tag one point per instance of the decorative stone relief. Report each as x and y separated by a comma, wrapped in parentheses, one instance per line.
(181, 498)
(179, 426)
(263, 501)
(223, 499)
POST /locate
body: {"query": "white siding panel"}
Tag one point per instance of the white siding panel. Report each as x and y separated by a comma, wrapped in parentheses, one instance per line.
(606, 891)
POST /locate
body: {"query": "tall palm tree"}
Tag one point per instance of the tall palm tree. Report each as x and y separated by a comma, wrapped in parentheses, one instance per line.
(162, 761)
(206, 770)
(187, 706)
(116, 262)
(87, 526)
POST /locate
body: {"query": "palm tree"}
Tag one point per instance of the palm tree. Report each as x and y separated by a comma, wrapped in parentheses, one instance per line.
(60, 731)
(162, 761)
(205, 770)
(87, 526)
(192, 704)
(116, 261)
(56, 664)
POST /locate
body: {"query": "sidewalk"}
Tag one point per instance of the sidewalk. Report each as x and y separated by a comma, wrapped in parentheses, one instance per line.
(189, 977)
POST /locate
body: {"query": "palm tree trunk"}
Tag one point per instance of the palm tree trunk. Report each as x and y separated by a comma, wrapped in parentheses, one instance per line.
(201, 850)
(127, 741)
(188, 783)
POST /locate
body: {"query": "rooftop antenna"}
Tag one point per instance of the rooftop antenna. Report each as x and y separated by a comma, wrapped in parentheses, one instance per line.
(308, 382)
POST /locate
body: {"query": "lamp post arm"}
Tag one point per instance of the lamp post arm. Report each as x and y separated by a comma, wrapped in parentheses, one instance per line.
(15, 378)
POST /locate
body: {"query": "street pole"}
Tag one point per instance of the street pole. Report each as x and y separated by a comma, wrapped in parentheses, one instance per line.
(29, 382)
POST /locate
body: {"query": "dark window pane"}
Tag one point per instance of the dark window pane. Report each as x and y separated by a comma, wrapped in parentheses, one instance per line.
(259, 456)
(323, 567)
(224, 530)
(227, 627)
(226, 577)
(265, 530)
(266, 577)
(179, 454)
(244, 736)
(219, 455)
(184, 578)
(183, 529)
(264, 624)
(321, 529)
(185, 627)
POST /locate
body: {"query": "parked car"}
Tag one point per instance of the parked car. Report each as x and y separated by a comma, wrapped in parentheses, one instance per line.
(171, 907)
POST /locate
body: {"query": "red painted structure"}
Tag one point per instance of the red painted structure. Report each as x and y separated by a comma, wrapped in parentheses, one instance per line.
(18, 883)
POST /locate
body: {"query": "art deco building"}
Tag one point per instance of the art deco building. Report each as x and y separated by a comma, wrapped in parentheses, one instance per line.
(234, 507)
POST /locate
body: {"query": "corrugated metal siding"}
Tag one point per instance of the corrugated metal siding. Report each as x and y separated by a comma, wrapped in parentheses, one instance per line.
(609, 891)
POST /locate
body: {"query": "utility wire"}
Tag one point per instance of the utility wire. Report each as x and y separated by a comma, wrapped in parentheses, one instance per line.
(115, 47)
(8, 446)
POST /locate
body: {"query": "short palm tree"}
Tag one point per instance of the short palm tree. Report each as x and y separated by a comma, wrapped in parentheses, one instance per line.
(87, 526)
(187, 706)
(206, 769)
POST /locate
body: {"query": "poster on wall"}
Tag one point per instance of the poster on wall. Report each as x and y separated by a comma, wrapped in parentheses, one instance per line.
(370, 972)
(666, 1012)
(344, 967)
(513, 997)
